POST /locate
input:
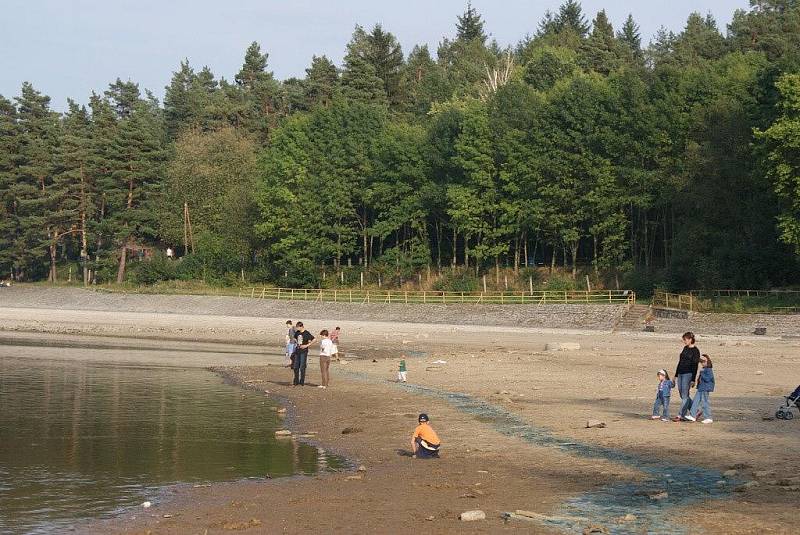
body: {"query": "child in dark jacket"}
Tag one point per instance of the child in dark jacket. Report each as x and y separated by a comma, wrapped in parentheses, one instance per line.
(705, 385)
(663, 392)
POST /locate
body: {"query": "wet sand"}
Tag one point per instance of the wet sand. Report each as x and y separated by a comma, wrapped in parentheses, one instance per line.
(611, 378)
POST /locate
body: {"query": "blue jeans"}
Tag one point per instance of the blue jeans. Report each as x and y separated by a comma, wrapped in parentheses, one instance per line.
(299, 367)
(661, 401)
(684, 380)
(701, 402)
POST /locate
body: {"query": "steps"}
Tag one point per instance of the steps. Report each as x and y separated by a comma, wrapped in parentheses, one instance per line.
(633, 320)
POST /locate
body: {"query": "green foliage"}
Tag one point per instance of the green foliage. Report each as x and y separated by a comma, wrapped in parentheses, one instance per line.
(676, 165)
(457, 280)
(157, 269)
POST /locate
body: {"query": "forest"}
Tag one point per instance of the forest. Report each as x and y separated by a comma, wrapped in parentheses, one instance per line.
(579, 150)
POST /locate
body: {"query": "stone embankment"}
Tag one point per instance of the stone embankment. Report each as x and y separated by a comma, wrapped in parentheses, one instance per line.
(554, 316)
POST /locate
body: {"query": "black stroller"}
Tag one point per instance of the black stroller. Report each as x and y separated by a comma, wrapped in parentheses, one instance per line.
(792, 402)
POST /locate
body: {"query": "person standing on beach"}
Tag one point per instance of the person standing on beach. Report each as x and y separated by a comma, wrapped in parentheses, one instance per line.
(686, 373)
(291, 344)
(326, 349)
(304, 340)
(335, 339)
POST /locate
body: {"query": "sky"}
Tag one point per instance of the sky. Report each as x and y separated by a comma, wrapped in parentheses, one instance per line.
(68, 48)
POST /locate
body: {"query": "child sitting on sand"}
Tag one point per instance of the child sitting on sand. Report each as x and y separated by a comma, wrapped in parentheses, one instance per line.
(401, 372)
(425, 442)
(663, 392)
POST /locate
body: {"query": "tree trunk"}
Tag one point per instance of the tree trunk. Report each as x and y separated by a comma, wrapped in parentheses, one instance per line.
(596, 269)
(574, 248)
(497, 270)
(123, 253)
(53, 250)
(553, 260)
(455, 246)
(84, 238)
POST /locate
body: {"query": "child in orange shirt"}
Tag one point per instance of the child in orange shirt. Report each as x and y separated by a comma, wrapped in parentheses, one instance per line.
(425, 442)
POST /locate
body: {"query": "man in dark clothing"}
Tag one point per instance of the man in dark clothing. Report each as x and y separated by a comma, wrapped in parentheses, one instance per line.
(686, 372)
(304, 340)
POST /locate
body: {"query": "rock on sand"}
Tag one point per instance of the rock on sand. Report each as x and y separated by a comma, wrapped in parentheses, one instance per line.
(471, 516)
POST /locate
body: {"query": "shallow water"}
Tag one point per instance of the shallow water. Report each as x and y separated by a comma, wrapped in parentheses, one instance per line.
(81, 440)
(683, 484)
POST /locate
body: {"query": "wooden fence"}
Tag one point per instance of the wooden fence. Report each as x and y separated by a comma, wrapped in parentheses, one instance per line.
(433, 297)
(674, 301)
(744, 293)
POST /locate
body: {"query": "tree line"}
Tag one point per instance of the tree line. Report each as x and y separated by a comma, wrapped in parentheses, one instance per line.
(673, 164)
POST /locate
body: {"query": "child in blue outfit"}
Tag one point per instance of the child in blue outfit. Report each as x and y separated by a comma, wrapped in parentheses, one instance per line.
(663, 392)
(705, 385)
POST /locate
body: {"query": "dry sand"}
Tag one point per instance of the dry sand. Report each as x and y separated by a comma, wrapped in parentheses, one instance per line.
(611, 378)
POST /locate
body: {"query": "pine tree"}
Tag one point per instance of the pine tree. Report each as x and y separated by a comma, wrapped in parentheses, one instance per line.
(188, 100)
(386, 55)
(135, 160)
(35, 171)
(630, 36)
(469, 26)
(601, 52)
(700, 40)
(9, 152)
(75, 207)
(570, 18)
(321, 83)
(260, 93)
(360, 80)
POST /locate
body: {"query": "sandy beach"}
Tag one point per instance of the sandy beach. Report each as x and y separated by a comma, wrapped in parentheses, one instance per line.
(512, 416)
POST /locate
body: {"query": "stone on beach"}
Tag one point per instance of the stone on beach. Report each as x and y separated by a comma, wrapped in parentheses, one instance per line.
(471, 516)
(283, 433)
(595, 424)
(562, 346)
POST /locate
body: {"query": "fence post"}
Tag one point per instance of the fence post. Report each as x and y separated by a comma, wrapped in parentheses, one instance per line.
(334, 295)
(423, 297)
(279, 294)
(350, 299)
(406, 296)
(253, 292)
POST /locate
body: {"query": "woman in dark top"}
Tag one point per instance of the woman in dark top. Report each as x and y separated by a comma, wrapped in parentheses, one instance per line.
(686, 373)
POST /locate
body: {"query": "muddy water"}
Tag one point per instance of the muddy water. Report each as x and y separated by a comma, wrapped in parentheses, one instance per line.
(85, 440)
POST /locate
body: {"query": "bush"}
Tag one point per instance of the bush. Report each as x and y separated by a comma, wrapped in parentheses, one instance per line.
(457, 280)
(158, 268)
(559, 283)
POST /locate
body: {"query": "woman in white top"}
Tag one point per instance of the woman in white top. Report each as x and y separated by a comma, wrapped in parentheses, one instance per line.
(326, 351)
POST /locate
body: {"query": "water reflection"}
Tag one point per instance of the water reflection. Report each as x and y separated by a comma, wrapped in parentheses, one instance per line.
(82, 440)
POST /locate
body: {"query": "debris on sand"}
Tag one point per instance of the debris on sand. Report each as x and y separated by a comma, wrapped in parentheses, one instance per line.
(283, 433)
(351, 430)
(562, 346)
(595, 424)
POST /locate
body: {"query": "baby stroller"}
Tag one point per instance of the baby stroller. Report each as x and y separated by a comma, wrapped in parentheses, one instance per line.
(792, 402)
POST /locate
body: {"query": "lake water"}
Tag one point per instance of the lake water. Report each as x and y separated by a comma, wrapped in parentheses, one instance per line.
(82, 440)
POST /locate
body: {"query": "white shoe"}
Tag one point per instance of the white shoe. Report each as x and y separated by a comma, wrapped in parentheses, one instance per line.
(708, 421)
(665, 419)
(321, 386)
(690, 418)
(654, 417)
